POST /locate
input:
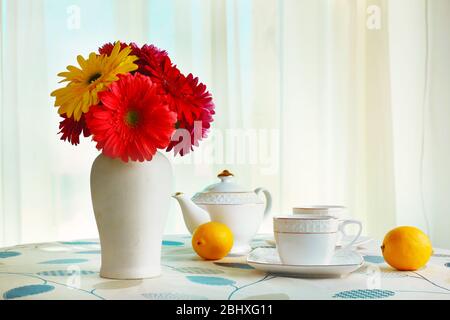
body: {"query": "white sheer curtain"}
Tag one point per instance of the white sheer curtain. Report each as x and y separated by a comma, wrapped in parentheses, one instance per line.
(321, 101)
(420, 97)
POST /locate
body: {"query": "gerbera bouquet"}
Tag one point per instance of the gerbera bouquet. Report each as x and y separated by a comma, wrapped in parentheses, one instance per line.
(133, 101)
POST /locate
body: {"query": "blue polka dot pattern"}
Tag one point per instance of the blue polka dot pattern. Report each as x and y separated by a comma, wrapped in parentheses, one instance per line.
(64, 273)
(172, 243)
(234, 265)
(364, 294)
(64, 261)
(211, 281)
(374, 259)
(441, 255)
(78, 243)
(197, 270)
(89, 252)
(9, 254)
(385, 272)
(172, 296)
(24, 291)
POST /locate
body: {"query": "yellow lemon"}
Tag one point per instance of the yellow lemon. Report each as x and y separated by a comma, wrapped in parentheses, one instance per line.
(212, 240)
(406, 248)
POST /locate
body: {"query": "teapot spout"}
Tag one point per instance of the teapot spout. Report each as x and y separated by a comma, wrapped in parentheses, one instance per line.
(193, 215)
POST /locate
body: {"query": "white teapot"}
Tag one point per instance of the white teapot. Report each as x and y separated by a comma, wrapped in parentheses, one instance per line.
(226, 202)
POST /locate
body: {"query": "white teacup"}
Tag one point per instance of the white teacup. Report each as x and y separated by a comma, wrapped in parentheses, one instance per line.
(338, 212)
(309, 241)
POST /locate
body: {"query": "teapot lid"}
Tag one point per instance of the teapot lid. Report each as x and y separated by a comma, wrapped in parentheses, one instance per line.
(226, 184)
(226, 192)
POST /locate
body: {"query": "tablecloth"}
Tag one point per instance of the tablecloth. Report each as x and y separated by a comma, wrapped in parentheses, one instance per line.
(70, 270)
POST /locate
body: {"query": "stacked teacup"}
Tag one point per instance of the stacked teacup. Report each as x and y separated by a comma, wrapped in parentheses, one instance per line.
(311, 234)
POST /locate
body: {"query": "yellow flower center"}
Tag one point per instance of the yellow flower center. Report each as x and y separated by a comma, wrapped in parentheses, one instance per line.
(132, 118)
(94, 77)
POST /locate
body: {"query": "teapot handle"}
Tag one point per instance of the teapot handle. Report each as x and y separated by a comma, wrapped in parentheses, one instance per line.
(268, 199)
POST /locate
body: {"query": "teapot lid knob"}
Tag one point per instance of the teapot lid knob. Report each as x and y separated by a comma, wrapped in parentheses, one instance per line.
(225, 173)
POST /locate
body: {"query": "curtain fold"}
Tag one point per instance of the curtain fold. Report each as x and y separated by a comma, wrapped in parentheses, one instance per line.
(380, 175)
(436, 118)
(131, 20)
(26, 154)
(420, 101)
(337, 140)
(321, 101)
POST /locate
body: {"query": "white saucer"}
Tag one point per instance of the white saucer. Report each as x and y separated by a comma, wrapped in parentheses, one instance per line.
(343, 263)
(361, 241)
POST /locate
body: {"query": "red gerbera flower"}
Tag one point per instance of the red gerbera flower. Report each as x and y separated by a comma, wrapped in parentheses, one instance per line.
(151, 60)
(132, 121)
(71, 129)
(150, 57)
(200, 98)
(179, 92)
(186, 138)
(193, 104)
(185, 95)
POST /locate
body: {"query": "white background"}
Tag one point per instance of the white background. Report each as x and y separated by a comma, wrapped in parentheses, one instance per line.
(353, 102)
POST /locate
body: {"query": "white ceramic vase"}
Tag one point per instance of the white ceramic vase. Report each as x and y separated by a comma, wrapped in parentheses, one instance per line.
(131, 203)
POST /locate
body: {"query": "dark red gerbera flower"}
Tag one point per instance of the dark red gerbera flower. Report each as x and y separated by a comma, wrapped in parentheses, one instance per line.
(150, 57)
(151, 60)
(71, 129)
(195, 110)
(132, 121)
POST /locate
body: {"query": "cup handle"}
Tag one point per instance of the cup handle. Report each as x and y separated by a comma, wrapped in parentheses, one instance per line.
(268, 199)
(342, 229)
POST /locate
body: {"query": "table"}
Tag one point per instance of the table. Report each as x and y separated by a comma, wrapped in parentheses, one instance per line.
(70, 270)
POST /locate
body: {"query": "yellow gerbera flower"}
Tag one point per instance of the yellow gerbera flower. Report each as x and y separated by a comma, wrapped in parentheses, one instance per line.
(94, 76)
